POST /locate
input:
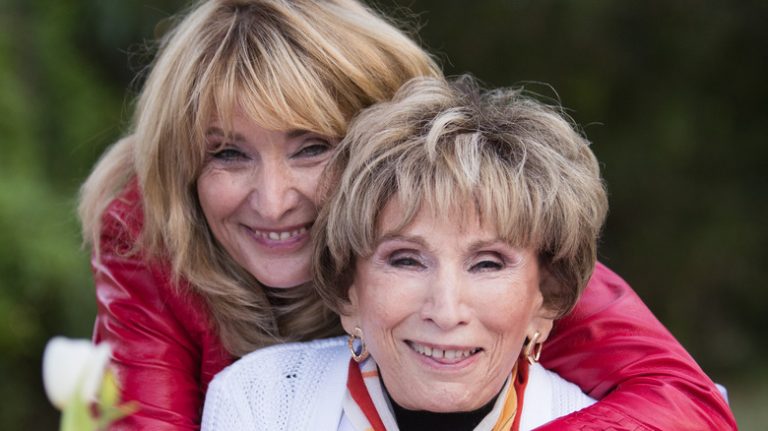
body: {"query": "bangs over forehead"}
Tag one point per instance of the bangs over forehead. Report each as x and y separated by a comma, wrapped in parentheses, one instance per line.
(264, 68)
(513, 162)
(460, 178)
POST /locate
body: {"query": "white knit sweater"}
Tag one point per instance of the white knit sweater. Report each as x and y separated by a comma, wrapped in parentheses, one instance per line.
(301, 386)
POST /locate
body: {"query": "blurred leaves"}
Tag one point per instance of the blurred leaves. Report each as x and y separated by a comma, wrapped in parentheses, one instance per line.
(672, 94)
(57, 113)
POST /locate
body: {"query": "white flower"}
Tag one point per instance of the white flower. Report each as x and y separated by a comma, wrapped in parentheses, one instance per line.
(70, 366)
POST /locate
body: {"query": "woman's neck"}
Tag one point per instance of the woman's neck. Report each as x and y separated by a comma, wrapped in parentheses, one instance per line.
(408, 420)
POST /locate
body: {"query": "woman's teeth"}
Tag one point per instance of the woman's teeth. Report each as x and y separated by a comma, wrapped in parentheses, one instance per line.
(443, 353)
(280, 236)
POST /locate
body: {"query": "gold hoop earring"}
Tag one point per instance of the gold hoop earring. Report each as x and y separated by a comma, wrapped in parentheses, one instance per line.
(532, 350)
(361, 354)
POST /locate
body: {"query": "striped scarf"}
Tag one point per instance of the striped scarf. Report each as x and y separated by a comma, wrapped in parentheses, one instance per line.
(367, 408)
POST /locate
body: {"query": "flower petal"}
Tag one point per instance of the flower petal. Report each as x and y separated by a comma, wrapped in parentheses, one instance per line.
(63, 363)
(94, 372)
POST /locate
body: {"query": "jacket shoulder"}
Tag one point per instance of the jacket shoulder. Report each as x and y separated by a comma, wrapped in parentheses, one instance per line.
(122, 221)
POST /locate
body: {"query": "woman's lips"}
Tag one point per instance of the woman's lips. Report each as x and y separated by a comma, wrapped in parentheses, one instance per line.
(276, 235)
(287, 239)
(443, 354)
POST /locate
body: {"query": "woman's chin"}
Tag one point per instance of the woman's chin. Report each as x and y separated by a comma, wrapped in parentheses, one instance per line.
(283, 283)
(281, 273)
(276, 280)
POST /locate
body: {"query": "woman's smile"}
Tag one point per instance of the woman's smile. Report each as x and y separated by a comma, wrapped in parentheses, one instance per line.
(287, 239)
(444, 355)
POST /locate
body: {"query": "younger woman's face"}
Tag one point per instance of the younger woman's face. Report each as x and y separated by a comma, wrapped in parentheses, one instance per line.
(258, 192)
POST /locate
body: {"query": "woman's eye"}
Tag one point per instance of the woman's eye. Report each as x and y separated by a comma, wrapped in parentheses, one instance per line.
(314, 148)
(487, 265)
(405, 262)
(228, 154)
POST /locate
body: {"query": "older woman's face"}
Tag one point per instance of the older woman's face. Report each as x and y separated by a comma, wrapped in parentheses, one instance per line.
(445, 307)
(257, 191)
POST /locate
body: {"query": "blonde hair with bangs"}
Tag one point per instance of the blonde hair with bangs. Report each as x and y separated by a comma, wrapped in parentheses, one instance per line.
(287, 64)
(458, 152)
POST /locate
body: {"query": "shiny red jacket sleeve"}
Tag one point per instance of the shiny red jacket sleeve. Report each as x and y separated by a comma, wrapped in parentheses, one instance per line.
(613, 347)
(164, 349)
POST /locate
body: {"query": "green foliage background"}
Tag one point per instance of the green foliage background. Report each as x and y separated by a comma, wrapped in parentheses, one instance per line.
(672, 94)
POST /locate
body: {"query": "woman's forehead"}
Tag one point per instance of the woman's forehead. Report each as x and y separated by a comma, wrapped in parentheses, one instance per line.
(400, 212)
(293, 124)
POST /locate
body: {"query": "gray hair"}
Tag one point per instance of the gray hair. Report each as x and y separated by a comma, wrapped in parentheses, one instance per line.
(521, 164)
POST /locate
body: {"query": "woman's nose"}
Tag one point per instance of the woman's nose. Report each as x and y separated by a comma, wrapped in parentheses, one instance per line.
(445, 305)
(274, 193)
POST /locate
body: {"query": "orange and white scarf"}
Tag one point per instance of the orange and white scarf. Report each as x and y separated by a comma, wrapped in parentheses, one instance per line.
(367, 408)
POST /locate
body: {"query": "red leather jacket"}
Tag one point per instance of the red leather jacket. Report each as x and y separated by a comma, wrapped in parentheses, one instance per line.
(166, 350)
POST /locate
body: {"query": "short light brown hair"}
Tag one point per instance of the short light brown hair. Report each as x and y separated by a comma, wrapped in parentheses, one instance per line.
(288, 64)
(448, 147)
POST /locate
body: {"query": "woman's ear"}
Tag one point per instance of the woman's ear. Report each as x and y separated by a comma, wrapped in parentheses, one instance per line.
(542, 325)
(349, 317)
(543, 318)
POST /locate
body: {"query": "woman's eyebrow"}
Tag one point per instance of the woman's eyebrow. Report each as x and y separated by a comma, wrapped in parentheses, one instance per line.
(218, 133)
(416, 239)
(485, 243)
(295, 133)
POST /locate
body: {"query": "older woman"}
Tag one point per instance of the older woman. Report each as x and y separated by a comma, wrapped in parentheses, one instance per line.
(464, 223)
(199, 218)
